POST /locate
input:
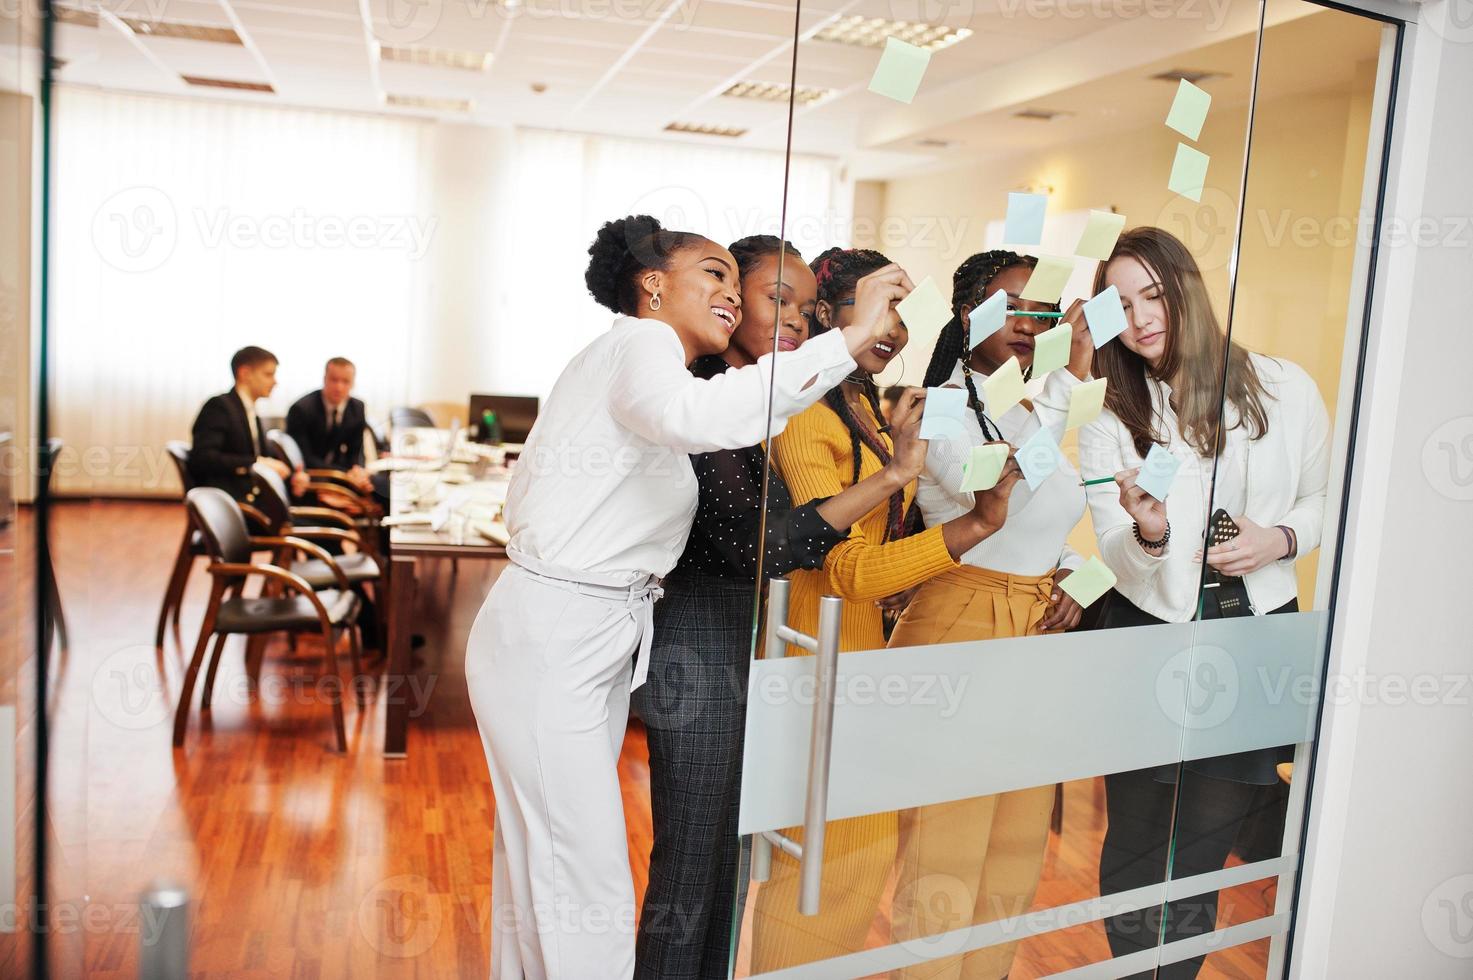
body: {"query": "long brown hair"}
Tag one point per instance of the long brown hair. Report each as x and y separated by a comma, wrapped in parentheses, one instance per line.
(1192, 362)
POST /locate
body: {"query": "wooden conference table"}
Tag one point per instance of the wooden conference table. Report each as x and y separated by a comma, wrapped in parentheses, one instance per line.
(441, 505)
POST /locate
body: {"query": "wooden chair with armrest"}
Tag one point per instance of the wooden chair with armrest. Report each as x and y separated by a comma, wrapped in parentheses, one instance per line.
(192, 547)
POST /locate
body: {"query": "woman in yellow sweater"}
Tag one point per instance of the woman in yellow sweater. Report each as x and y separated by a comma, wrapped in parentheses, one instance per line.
(824, 449)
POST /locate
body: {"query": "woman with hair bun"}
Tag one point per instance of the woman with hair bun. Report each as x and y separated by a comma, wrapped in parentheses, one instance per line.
(598, 511)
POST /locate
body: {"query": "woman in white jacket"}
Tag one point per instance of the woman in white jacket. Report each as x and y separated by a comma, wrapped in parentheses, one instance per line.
(1260, 450)
(598, 511)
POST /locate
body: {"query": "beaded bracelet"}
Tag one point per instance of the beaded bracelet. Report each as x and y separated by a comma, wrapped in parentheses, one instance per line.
(1165, 537)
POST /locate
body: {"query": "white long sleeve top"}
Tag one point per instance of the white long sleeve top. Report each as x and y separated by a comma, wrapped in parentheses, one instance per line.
(1279, 478)
(604, 487)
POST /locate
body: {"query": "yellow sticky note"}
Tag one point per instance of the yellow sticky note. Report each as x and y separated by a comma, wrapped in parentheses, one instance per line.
(1003, 389)
(1088, 582)
(1086, 402)
(1046, 284)
(1051, 349)
(1188, 172)
(1188, 109)
(1100, 235)
(924, 309)
(985, 466)
(900, 70)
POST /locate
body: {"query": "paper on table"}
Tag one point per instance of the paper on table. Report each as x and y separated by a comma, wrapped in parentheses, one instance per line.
(1086, 402)
(1088, 582)
(1100, 235)
(982, 470)
(1188, 109)
(1046, 284)
(942, 416)
(1002, 389)
(900, 70)
(1188, 172)
(1051, 349)
(1105, 315)
(1039, 457)
(1158, 472)
(987, 318)
(1025, 218)
(924, 309)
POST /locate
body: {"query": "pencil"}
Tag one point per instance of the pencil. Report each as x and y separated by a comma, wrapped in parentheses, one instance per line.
(1041, 316)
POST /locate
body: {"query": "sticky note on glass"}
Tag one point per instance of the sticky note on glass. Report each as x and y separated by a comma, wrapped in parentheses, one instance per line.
(924, 309)
(1188, 110)
(1100, 235)
(942, 416)
(981, 471)
(1105, 315)
(1188, 172)
(1039, 457)
(1025, 218)
(1088, 582)
(1086, 402)
(986, 318)
(1158, 472)
(901, 68)
(1046, 284)
(1051, 349)
(1002, 389)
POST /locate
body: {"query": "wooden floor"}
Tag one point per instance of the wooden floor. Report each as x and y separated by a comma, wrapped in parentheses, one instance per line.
(302, 862)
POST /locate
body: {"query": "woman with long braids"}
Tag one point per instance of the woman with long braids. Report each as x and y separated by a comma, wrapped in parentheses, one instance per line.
(825, 449)
(975, 860)
(1260, 450)
(598, 510)
(694, 702)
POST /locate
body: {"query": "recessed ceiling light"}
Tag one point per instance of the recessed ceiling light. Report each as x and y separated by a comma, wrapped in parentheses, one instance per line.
(771, 92)
(436, 57)
(183, 32)
(429, 102)
(1191, 75)
(1042, 115)
(204, 82)
(870, 32)
(931, 143)
(701, 129)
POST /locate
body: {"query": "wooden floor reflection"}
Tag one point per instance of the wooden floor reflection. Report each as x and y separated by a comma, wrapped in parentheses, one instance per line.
(302, 862)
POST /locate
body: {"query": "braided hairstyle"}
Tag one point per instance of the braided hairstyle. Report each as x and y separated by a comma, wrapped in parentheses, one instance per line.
(968, 284)
(838, 271)
(622, 250)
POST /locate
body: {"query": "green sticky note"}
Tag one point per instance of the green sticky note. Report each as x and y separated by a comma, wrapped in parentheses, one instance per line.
(983, 469)
(1088, 582)
(1086, 402)
(1100, 234)
(1188, 172)
(924, 310)
(901, 68)
(1003, 388)
(1188, 110)
(1051, 349)
(1046, 284)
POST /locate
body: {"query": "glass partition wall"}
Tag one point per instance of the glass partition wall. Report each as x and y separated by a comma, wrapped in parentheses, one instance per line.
(986, 781)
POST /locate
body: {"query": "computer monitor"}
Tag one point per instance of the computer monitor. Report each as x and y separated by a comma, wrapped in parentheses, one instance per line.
(516, 413)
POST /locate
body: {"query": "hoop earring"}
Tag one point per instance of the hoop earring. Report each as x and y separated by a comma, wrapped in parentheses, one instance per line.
(885, 384)
(655, 302)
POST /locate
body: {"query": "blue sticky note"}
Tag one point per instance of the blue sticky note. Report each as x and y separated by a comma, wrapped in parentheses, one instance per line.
(1105, 315)
(1157, 473)
(1025, 218)
(942, 416)
(987, 318)
(1038, 457)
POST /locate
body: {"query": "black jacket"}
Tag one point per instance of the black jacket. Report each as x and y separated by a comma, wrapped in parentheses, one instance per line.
(223, 452)
(339, 449)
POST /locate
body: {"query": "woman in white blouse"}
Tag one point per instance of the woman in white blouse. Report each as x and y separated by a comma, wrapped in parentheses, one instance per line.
(1268, 436)
(598, 511)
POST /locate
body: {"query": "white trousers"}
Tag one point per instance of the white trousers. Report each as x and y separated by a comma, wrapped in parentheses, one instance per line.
(548, 667)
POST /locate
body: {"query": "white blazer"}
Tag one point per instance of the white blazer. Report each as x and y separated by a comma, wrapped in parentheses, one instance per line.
(1279, 478)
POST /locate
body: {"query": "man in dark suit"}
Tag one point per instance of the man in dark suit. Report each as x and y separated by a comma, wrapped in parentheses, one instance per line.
(227, 435)
(328, 425)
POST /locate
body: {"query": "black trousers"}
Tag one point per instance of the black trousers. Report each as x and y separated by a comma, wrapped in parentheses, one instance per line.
(694, 709)
(1207, 812)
